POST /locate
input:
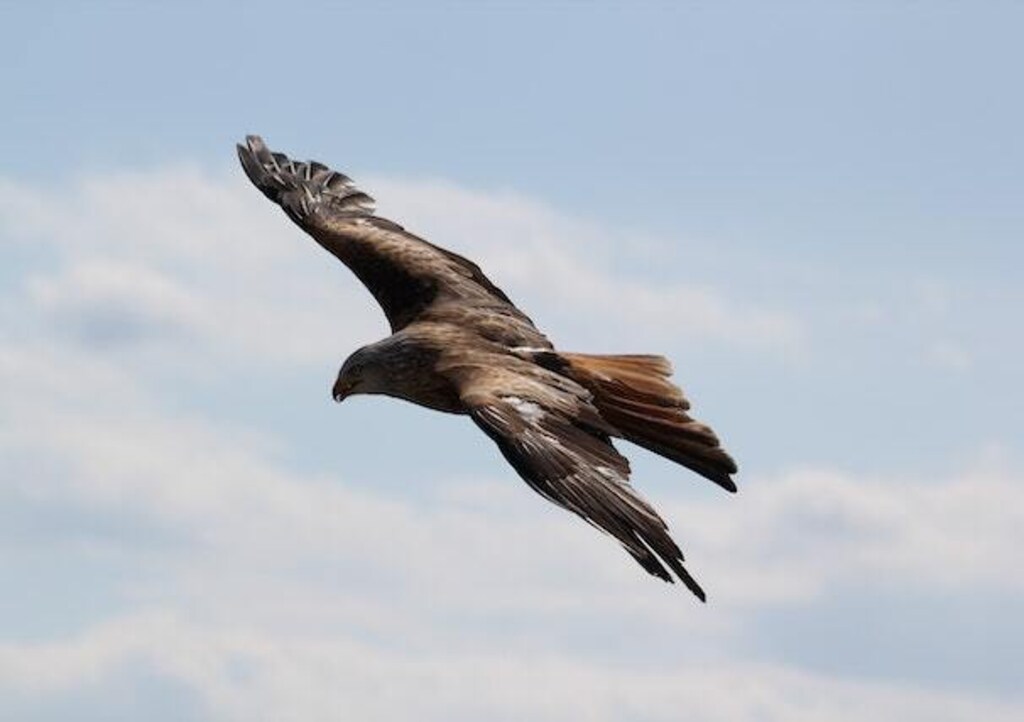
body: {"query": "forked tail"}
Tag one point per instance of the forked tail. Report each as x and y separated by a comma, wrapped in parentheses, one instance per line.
(634, 395)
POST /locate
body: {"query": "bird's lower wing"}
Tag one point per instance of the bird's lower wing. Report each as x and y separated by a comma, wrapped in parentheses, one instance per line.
(574, 464)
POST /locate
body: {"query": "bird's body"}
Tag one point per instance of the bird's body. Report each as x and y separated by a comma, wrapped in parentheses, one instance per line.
(459, 345)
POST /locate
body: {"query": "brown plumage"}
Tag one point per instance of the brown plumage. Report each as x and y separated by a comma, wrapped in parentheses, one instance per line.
(459, 345)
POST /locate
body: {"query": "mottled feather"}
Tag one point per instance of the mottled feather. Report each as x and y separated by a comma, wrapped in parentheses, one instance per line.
(406, 274)
(459, 345)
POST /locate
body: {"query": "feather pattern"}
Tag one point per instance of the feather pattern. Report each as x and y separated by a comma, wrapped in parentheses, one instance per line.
(459, 345)
(408, 276)
(575, 466)
(633, 394)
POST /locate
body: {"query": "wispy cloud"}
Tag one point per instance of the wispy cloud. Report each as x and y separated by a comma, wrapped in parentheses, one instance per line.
(564, 263)
(290, 591)
(184, 252)
(242, 674)
(807, 531)
(180, 261)
(278, 590)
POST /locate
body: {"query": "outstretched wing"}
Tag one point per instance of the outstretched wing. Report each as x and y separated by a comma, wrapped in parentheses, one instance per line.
(548, 430)
(406, 274)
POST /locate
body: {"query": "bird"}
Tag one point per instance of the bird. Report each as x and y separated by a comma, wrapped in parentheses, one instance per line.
(459, 345)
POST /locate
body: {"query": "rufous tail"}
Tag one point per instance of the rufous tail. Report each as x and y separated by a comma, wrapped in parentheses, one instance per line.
(634, 395)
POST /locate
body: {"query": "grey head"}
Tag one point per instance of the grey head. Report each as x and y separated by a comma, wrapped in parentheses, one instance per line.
(400, 366)
(364, 372)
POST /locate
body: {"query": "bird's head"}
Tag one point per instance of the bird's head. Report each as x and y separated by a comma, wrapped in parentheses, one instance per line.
(348, 381)
(358, 375)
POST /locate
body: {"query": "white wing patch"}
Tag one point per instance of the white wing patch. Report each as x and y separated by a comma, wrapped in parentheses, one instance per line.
(527, 351)
(530, 411)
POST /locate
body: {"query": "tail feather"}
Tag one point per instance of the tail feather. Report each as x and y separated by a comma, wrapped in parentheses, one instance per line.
(634, 395)
(640, 377)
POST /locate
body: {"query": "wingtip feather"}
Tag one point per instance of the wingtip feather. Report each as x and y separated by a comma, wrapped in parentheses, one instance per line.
(255, 142)
(300, 187)
(692, 585)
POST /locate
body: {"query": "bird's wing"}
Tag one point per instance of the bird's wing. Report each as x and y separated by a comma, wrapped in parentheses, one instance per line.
(550, 432)
(406, 274)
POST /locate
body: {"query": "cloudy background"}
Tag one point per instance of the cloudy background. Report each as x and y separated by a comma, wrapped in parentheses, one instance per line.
(814, 210)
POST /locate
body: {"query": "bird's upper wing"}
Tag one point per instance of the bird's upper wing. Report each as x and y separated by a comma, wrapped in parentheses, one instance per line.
(408, 276)
(549, 431)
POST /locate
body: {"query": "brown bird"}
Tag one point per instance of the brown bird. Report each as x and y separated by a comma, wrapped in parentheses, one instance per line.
(459, 345)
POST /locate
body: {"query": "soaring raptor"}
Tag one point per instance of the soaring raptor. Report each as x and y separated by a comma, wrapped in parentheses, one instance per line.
(459, 345)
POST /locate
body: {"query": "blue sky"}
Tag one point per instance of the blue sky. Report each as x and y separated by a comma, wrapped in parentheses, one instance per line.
(812, 208)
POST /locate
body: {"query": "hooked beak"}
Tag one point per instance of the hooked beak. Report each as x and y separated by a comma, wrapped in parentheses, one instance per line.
(341, 390)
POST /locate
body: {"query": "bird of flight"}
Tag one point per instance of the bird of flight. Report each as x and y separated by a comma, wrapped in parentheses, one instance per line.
(459, 345)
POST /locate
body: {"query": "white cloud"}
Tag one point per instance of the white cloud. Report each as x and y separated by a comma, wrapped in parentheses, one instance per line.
(799, 535)
(559, 263)
(785, 539)
(289, 553)
(243, 675)
(288, 594)
(144, 255)
(110, 301)
(183, 263)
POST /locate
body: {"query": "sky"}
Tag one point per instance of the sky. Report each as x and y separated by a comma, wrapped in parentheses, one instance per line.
(813, 209)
